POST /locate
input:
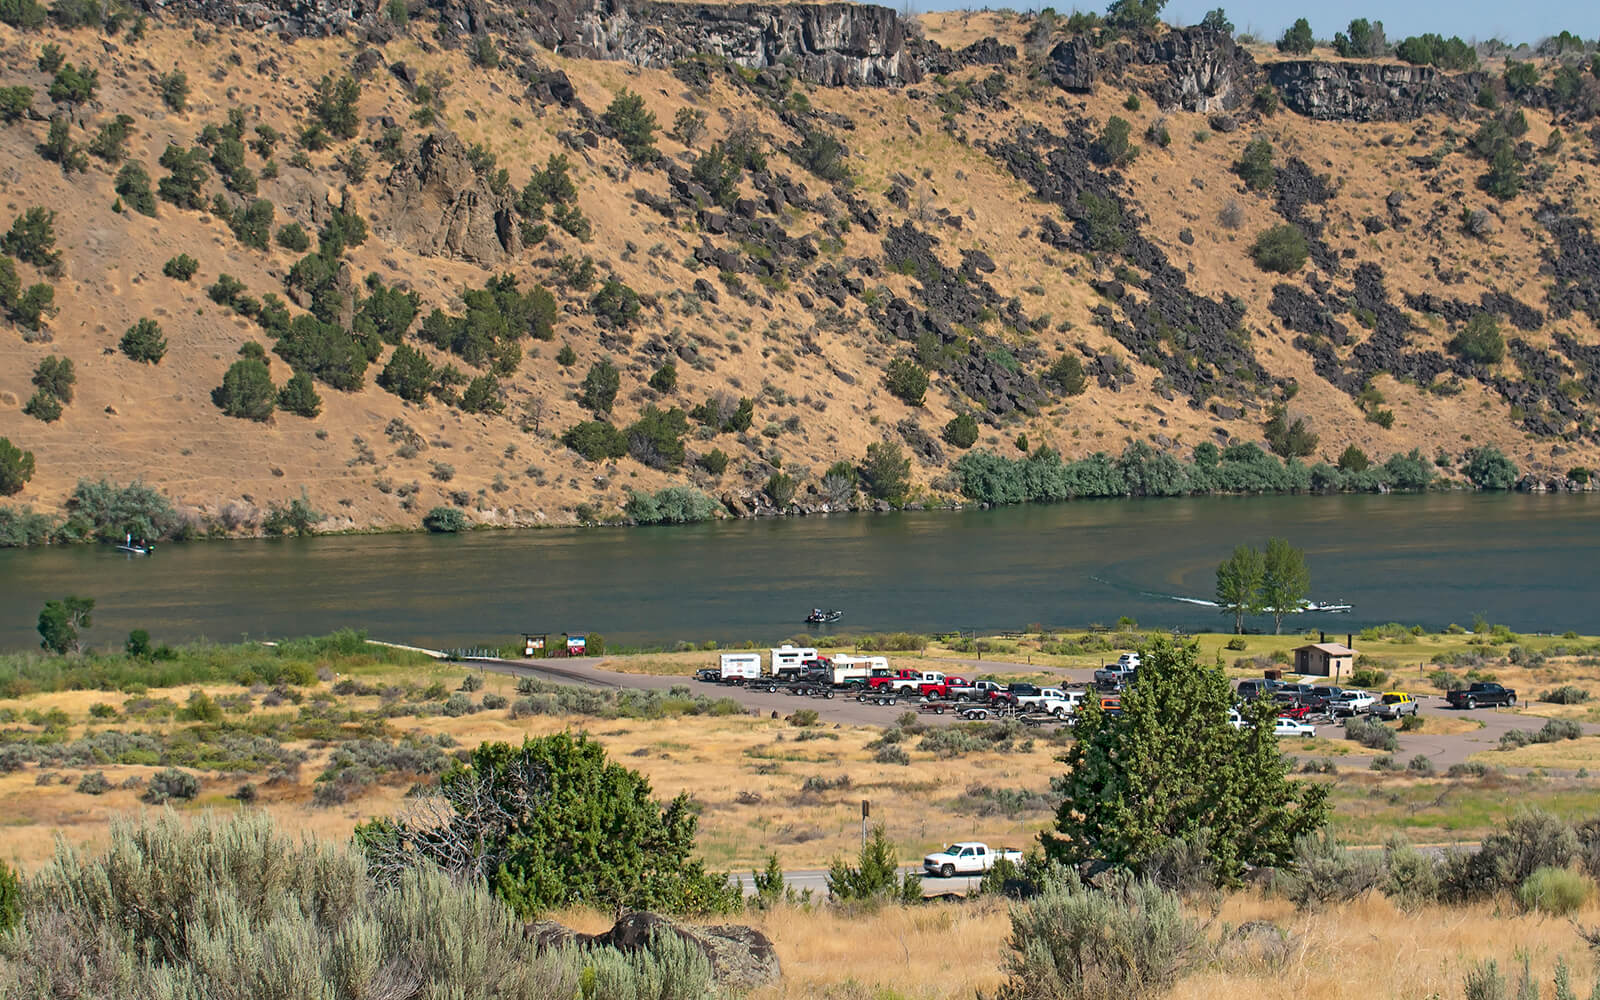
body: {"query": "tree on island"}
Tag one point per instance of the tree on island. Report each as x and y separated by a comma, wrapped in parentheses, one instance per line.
(1170, 770)
(1239, 584)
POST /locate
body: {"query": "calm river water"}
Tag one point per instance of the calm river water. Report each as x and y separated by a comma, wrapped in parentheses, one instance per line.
(1530, 561)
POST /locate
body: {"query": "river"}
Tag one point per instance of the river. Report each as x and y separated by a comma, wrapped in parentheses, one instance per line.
(1529, 561)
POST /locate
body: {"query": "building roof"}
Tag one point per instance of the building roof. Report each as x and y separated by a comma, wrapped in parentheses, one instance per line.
(1331, 648)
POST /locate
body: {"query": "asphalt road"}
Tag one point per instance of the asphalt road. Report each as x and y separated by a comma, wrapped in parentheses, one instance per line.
(1443, 749)
(816, 879)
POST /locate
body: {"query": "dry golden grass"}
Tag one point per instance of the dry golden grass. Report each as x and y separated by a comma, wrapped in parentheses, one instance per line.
(1355, 951)
(1582, 752)
(746, 772)
(1438, 724)
(157, 422)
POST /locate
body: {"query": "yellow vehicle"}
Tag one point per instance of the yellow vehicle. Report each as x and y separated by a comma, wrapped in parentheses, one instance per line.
(1394, 704)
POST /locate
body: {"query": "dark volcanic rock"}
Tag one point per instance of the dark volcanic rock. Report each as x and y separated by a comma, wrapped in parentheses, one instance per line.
(1198, 344)
(921, 442)
(1372, 92)
(1072, 65)
(1206, 71)
(828, 43)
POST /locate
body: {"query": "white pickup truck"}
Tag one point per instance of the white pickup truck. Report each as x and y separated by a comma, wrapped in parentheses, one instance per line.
(967, 858)
(1053, 700)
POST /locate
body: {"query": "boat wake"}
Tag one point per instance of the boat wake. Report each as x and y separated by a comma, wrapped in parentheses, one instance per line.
(1305, 607)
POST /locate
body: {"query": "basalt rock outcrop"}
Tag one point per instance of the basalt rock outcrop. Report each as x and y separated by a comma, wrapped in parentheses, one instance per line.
(1198, 69)
(1195, 69)
(436, 203)
(829, 43)
(1371, 92)
(742, 958)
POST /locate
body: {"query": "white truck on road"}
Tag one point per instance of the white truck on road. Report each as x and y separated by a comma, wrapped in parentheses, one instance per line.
(967, 858)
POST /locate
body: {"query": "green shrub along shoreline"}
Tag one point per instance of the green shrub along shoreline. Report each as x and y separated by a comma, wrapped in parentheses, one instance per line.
(103, 511)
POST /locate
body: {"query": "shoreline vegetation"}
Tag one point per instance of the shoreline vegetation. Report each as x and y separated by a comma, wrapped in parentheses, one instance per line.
(102, 511)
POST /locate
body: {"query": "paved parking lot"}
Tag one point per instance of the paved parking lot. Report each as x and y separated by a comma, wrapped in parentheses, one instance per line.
(1444, 749)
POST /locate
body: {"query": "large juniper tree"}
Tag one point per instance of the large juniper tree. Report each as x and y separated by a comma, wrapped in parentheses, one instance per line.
(552, 823)
(1171, 768)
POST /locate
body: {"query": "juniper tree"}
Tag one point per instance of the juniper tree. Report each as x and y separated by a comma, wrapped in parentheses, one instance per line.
(1171, 769)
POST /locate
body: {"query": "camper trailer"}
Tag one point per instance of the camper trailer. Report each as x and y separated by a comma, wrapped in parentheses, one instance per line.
(790, 661)
(739, 668)
(855, 669)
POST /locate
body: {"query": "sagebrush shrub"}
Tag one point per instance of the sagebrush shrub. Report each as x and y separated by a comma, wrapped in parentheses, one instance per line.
(171, 784)
(1124, 942)
(234, 908)
(1557, 891)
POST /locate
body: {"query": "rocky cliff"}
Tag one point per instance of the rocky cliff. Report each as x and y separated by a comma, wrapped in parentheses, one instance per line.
(1371, 92)
(830, 44)
(1195, 69)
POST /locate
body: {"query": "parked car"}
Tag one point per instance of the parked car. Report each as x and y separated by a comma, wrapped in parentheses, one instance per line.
(960, 688)
(1013, 693)
(1482, 693)
(1235, 719)
(1292, 727)
(1393, 705)
(1255, 687)
(967, 858)
(986, 690)
(1119, 674)
(1052, 700)
(1321, 697)
(903, 680)
(1352, 702)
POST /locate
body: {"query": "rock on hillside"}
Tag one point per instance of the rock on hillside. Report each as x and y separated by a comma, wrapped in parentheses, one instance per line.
(742, 958)
(1372, 92)
(436, 203)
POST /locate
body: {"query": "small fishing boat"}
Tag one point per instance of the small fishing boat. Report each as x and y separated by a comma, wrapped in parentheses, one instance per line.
(820, 616)
(143, 548)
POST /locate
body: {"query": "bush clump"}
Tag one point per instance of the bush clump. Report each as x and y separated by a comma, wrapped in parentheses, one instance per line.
(445, 521)
(1130, 940)
(171, 784)
(672, 505)
(1281, 249)
(1566, 694)
(143, 342)
(1556, 891)
(1371, 733)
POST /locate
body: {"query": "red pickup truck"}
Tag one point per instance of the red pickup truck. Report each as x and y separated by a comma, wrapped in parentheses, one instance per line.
(928, 683)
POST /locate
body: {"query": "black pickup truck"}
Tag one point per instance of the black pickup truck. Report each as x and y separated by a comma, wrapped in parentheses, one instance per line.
(1481, 694)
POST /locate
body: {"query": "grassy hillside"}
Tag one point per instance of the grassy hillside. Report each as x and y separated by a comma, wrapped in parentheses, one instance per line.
(798, 302)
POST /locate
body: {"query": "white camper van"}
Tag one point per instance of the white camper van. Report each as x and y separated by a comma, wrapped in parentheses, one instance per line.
(790, 661)
(856, 669)
(737, 668)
